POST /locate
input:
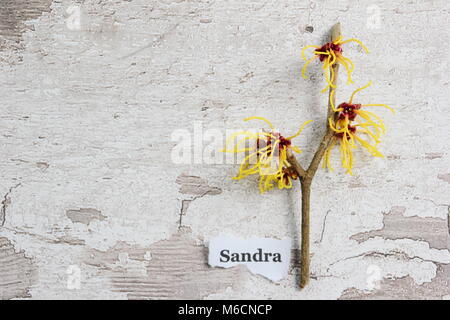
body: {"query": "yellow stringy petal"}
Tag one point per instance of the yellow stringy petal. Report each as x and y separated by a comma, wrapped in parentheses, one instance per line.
(327, 53)
(380, 105)
(373, 115)
(357, 41)
(328, 84)
(306, 48)
(296, 149)
(372, 149)
(248, 166)
(267, 161)
(240, 145)
(305, 66)
(265, 157)
(330, 122)
(332, 93)
(347, 69)
(369, 122)
(327, 156)
(299, 130)
(349, 61)
(262, 183)
(375, 129)
(371, 134)
(357, 90)
(327, 67)
(346, 155)
(230, 141)
(268, 183)
(338, 40)
(260, 118)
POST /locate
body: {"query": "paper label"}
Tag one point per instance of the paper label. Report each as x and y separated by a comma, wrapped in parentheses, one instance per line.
(265, 256)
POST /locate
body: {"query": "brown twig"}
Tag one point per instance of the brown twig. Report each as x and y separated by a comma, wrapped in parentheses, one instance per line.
(306, 176)
(295, 164)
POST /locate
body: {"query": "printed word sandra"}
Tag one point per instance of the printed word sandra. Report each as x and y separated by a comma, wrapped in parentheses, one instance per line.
(258, 256)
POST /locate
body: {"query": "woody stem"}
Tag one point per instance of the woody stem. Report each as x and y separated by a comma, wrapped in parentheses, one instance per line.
(306, 176)
(305, 257)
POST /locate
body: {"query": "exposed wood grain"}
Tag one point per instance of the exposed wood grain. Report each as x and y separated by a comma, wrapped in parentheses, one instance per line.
(406, 289)
(175, 268)
(86, 123)
(396, 226)
(17, 272)
(85, 215)
(14, 14)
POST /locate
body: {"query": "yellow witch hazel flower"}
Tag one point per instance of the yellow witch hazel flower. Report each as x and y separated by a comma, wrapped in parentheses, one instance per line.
(266, 154)
(331, 53)
(348, 129)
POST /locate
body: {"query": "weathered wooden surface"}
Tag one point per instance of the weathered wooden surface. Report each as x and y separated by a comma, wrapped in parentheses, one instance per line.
(89, 190)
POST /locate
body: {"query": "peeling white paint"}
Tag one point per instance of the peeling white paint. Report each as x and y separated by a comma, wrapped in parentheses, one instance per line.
(87, 115)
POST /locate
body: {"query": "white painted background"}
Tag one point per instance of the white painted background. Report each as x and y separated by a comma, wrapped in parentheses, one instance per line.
(89, 190)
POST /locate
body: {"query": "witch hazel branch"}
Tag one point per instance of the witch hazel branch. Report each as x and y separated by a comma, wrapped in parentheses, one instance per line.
(349, 125)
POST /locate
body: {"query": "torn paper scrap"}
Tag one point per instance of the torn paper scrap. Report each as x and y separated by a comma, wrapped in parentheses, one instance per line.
(265, 256)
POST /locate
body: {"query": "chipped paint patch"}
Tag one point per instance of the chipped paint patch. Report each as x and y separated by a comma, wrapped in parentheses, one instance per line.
(14, 14)
(405, 288)
(444, 177)
(177, 269)
(397, 226)
(42, 165)
(195, 186)
(99, 105)
(5, 203)
(17, 272)
(85, 215)
(433, 155)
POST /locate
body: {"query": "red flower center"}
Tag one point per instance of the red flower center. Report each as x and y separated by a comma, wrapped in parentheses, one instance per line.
(283, 142)
(288, 173)
(327, 47)
(348, 110)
